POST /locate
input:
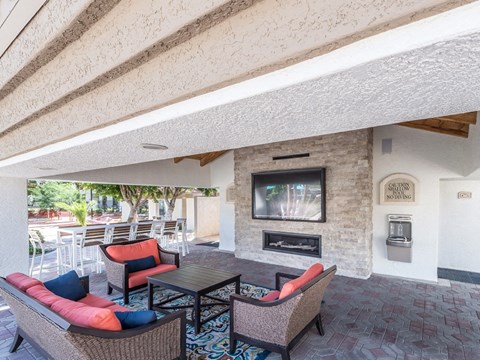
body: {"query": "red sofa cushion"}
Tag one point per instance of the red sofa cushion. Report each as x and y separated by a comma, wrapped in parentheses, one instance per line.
(87, 316)
(271, 296)
(295, 284)
(140, 277)
(120, 253)
(42, 294)
(22, 281)
(96, 301)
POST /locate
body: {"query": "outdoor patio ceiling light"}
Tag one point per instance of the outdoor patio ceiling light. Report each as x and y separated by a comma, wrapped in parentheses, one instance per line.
(154, 146)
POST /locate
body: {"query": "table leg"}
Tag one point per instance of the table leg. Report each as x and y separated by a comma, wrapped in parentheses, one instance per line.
(184, 238)
(196, 309)
(74, 251)
(237, 286)
(150, 296)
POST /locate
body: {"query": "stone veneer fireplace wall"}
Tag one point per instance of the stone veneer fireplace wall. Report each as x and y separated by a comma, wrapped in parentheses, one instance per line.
(347, 233)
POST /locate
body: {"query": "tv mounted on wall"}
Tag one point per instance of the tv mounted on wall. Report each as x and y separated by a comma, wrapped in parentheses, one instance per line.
(296, 195)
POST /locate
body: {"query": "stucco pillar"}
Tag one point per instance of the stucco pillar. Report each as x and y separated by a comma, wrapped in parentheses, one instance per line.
(153, 209)
(14, 225)
(125, 210)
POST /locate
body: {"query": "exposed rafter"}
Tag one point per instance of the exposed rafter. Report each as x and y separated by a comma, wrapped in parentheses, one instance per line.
(203, 158)
(457, 124)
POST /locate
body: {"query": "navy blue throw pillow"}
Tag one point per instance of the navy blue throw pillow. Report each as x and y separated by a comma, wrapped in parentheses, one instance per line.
(133, 319)
(141, 264)
(67, 286)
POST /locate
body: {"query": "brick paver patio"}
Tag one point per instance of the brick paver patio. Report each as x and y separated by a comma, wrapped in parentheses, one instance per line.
(378, 318)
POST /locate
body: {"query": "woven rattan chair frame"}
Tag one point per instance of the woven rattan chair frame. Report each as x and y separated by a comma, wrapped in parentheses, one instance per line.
(278, 325)
(55, 337)
(118, 273)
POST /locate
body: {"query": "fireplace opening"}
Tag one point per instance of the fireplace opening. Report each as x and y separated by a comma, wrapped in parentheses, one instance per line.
(299, 244)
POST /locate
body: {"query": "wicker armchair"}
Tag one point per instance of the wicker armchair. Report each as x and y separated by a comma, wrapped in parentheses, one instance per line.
(118, 274)
(56, 338)
(278, 325)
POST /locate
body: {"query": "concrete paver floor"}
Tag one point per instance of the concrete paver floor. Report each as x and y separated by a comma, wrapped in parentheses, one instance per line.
(377, 318)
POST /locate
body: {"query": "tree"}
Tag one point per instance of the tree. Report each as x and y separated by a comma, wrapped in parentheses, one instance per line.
(170, 195)
(208, 191)
(45, 194)
(134, 195)
(78, 209)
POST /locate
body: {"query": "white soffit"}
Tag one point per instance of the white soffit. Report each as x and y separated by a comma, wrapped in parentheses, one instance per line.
(14, 16)
(241, 114)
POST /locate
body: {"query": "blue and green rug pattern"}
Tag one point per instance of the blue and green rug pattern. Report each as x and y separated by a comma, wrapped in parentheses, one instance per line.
(213, 341)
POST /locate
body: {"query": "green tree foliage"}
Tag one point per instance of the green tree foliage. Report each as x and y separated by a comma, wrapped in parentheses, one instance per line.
(78, 209)
(44, 194)
(170, 195)
(208, 191)
(134, 195)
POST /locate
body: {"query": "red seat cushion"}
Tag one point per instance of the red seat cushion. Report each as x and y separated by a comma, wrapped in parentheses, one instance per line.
(295, 284)
(140, 277)
(42, 294)
(87, 316)
(271, 296)
(120, 253)
(22, 281)
(95, 301)
(116, 307)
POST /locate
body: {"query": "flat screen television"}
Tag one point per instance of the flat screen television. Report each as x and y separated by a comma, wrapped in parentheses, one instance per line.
(296, 195)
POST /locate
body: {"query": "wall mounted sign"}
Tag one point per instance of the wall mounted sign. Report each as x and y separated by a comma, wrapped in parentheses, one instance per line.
(398, 189)
(230, 193)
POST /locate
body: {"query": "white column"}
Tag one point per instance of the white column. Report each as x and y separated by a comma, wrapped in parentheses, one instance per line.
(125, 210)
(178, 211)
(153, 209)
(14, 225)
(222, 175)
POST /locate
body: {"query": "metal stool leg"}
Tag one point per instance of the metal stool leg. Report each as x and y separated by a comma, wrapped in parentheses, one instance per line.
(33, 258)
(41, 262)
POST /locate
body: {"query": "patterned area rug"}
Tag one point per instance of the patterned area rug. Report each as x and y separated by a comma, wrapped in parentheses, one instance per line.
(213, 341)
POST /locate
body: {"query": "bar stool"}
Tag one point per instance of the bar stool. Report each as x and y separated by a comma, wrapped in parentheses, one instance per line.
(37, 243)
(121, 233)
(169, 234)
(181, 224)
(88, 247)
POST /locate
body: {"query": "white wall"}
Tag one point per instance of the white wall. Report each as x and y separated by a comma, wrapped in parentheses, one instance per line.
(472, 150)
(125, 210)
(152, 209)
(222, 175)
(459, 240)
(14, 225)
(190, 214)
(178, 211)
(207, 216)
(429, 157)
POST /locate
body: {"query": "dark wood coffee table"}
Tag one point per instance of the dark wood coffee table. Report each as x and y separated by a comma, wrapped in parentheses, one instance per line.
(196, 281)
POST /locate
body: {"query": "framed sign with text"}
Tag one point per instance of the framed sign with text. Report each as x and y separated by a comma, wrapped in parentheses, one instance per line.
(398, 189)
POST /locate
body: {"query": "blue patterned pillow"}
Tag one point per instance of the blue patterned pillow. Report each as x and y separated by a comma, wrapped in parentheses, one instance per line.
(141, 264)
(67, 286)
(133, 319)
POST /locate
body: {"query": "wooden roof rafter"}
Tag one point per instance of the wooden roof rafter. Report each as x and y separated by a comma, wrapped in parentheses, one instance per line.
(456, 125)
(203, 158)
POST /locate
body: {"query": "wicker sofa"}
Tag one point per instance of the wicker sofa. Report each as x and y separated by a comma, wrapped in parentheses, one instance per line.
(118, 275)
(55, 337)
(277, 324)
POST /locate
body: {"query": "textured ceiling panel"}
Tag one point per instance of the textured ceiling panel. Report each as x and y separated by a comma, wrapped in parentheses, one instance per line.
(266, 36)
(408, 86)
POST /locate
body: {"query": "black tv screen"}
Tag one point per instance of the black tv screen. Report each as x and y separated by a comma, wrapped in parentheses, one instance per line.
(297, 195)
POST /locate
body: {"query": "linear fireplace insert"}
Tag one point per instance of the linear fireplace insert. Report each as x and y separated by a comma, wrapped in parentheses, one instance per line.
(299, 244)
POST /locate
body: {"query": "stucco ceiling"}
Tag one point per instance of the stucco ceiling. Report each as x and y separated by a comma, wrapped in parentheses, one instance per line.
(347, 90)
